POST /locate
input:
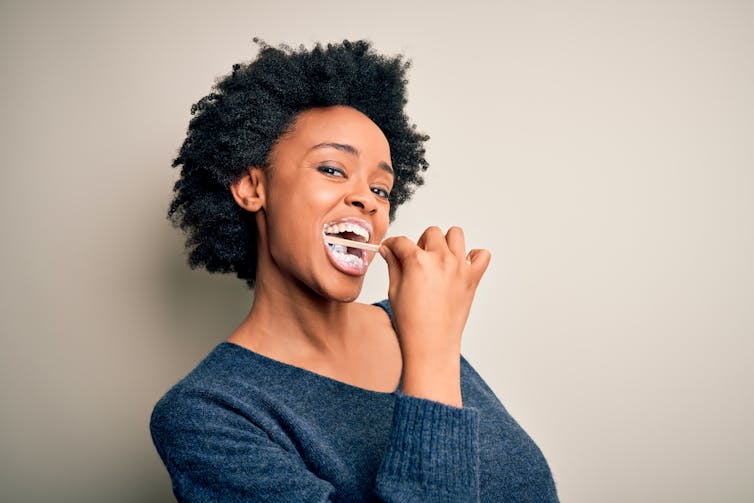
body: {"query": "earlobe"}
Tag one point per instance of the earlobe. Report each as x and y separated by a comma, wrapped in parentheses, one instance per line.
(248, 191)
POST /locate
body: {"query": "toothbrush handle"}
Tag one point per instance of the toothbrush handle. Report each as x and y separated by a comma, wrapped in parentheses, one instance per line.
(353, 244)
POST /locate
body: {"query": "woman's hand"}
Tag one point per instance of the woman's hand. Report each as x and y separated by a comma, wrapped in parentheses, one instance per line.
(432, 285)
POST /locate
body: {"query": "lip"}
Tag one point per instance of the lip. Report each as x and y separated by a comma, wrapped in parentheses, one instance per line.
(348, 268)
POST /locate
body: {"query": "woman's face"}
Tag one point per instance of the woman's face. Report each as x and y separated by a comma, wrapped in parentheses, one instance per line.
(331, 175)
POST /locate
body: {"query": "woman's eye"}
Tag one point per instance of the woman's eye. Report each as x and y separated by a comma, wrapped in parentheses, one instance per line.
(381, 192)
(331, 171)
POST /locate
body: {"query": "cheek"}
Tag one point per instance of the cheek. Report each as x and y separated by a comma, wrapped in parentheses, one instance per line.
(380, 226)
(295, 214)
(302, 199)
(321, 198)
(310, 193)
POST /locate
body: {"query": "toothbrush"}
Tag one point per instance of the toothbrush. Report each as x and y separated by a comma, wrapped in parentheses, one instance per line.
(353, 244)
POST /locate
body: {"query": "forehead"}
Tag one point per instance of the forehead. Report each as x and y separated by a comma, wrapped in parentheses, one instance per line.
(337, 124)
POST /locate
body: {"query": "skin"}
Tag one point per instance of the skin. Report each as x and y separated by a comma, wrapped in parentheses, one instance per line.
(304, 312)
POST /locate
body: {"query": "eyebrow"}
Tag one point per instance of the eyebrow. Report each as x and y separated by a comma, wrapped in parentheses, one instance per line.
(350, 149)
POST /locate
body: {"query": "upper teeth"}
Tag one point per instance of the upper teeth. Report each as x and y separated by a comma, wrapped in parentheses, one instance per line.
(347, 227)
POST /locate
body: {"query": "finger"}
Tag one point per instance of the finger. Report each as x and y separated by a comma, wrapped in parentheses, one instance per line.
(478, 261)
(432, 239)
(393, 266)
(456, 241)
(401, 247)
(422, 241)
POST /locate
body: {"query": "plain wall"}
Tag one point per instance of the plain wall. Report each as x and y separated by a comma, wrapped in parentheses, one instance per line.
(602, 150)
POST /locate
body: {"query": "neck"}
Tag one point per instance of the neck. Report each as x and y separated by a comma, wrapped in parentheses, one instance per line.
(290, 320)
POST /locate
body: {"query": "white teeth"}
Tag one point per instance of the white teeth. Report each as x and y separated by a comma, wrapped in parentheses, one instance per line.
(340, 252)
(347, 227)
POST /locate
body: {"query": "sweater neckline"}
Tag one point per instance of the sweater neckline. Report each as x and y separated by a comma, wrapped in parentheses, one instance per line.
(309, 373)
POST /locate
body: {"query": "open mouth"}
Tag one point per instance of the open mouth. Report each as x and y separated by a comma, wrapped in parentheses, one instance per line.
(345, 258)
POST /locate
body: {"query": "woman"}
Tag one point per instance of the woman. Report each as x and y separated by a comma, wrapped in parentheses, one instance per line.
(315, 397)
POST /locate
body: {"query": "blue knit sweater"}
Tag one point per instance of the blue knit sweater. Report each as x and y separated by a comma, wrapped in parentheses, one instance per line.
(244, 427)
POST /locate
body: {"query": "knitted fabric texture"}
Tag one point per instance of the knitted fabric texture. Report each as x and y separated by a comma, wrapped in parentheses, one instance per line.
(245, 427)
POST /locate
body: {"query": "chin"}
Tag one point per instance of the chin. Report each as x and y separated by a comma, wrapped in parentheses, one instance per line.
(345, 294)
(341, 290)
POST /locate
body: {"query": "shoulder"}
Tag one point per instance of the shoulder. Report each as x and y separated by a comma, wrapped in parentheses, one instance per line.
(377, 315)
(384, 305)
(216, 420)
(381, 311)
(378, 337)
(212, 387)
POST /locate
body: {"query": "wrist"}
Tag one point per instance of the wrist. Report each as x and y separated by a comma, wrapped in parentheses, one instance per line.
(434, 380)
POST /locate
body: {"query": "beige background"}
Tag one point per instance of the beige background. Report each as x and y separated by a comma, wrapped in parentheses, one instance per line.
(602, 150)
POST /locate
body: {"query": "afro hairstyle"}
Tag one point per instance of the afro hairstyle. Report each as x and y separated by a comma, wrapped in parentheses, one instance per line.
(236, 125)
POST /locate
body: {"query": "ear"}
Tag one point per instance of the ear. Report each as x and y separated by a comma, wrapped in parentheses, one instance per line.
(248, 191)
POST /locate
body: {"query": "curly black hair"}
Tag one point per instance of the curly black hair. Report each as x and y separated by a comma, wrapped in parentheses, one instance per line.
(237, 124)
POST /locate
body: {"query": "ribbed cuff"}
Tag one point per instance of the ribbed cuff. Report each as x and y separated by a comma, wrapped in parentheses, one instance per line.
(434, 449)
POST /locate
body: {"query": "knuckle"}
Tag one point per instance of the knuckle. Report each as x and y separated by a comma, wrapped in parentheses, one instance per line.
(415, 256)
(448, 261)
(399, 241)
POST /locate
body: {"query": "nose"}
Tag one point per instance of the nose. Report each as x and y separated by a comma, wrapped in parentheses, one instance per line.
(362, 198)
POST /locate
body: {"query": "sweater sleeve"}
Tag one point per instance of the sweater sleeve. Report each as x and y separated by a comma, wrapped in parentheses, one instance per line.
(433, 453)
(214, 454)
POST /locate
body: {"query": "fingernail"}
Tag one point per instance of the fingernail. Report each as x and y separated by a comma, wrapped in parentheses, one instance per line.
(383, 252)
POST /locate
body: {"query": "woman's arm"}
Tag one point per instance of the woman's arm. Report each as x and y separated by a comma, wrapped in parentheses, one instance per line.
(213, 453)
(432, 285)
(433, 453)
